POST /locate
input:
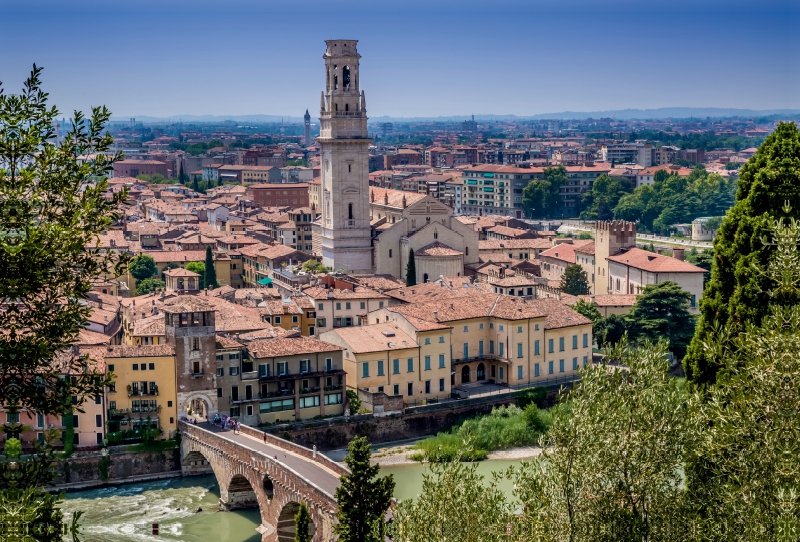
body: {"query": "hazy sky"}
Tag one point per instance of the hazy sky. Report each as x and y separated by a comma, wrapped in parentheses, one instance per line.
(419, 58)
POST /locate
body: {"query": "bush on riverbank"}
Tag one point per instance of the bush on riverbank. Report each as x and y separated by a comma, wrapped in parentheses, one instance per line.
(505, 427)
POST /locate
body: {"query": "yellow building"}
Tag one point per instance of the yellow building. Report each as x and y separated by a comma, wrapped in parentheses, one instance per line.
(143, 393)
(383, 358)
(503, 339)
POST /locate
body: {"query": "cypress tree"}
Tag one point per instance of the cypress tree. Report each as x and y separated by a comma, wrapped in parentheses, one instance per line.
(734, 295)
(363, 498)
(180, 173)
(210, 272)
(301, 521)
(411, 269)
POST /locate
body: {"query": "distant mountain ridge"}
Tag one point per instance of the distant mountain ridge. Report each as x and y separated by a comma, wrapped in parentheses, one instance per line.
(619, 114)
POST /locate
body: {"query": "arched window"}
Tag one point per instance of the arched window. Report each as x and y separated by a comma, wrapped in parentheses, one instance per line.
(425, 277)
(435, 234)
(336, 107)
(350, 211)
(347, 107)
(390, 252)
(349, 168)
(335, 82)
(346, 77)
(466, 249)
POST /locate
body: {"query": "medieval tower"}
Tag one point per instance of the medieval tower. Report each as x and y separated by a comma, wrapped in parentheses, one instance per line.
(610, 238)
(190, 330)
(344, 157)
(307, 120)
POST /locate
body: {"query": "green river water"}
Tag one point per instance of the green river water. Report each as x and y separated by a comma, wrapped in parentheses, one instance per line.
(125, 513)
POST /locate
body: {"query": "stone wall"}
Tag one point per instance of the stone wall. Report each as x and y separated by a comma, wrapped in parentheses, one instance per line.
(82, 468)
(425, 422)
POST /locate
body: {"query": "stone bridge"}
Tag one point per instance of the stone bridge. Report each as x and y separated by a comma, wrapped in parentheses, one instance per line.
(272, 474)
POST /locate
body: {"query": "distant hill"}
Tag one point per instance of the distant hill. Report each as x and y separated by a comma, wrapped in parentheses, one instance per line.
(620, 114)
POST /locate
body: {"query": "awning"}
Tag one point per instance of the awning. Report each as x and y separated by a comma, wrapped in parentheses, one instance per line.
(265, 281)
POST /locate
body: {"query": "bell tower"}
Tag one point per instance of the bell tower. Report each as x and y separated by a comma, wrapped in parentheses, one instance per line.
(344, 157)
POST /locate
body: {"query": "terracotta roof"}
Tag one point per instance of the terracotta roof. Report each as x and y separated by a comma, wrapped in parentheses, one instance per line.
(611, 300)
(315, 292)
(187, 303)
(564, 252)
(130, 351)
(270, 332)
(374, 338)
(587, 248)
(92, 338)
(379, 282)
(515, 244)
(150, 326)
(505, 230)
(225, 342)
(180, 272)
(395, 197)
(437, 249)
(270, 348)
(168, 256)
(514, 280)
(654, 263)
(447, 288)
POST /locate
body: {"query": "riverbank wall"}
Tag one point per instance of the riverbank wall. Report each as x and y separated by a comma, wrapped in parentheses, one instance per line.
(85, 470)
(413, 423)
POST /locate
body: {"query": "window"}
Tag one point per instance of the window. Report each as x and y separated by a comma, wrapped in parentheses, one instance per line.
(380, 389)
(277, 319)
(338, 306)
(142, 366)
(347, 305)
(491, 347)
(491, 325)
(40, 420)
(275, 406)
(550, 367)
(233, 371)
(363, 305)
(561, 366)
(380, 367)
(550, 346)
(519, 329)
(427, 340)
(693, 302)
(152, 366)
(519, 372)
(236, 412)
(98, 420)
(585, 360)
(135, 366)
(112, 387)
(309, 402)
(396, 389)
(195, 345)
(466, 328)
(535, 348)
(396, 367)
(410, 364)
(480, 348)
(536, 327)
(574, 364)
(321, 306)
(427, 387)
(249, 410)
(220, 357)
(427, 363)
(501, 373)
(111, 368)
(441, 361)
(502, 349)
(333, 399)
(574, 342)
(365, 369)
(561, 344)
(536, 370)
(441, 339)
(380, 304)
(283, 368)
(585, 340)
(502, 327)
(321, 322)
(410, 389)
(295, 319)
(75, 420)
(480, 326)
(328, 364)
(390, 252)
(519, 350)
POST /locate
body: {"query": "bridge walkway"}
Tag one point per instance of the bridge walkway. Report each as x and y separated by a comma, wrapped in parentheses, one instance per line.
(317, 474)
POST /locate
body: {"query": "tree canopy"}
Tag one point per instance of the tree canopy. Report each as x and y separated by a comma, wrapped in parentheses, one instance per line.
(540, 198)
(142, 267)
(672, 199)
(575, 281)
(149, 285)
(54, 206)
(200, 269)
(599, 201)
(363, 497)
(662, 311)
(734, 295)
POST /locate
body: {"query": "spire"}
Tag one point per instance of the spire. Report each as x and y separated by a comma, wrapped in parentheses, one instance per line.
(322, 101)
(307, 116)
(363, 101)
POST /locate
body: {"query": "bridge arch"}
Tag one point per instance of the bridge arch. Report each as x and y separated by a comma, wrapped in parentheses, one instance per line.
(287, 528)
(249, 476)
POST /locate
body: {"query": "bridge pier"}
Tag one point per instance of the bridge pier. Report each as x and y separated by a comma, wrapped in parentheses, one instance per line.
(239, 494)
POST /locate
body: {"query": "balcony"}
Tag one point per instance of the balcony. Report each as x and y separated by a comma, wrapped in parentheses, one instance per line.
(294, 376)
(309, 391)
(250, 375)
(481, 357)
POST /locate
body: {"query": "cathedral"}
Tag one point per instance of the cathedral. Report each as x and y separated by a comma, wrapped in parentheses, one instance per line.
(365, 229)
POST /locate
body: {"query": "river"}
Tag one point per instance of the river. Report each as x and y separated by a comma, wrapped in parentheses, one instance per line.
(125, 513)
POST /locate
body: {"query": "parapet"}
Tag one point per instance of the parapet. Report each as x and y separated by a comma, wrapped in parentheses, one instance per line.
(615, 225)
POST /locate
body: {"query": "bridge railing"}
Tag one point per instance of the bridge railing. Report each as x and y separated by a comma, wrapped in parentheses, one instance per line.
(296, 448)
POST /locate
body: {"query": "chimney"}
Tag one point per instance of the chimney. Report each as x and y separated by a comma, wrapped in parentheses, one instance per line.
(436, 315)
(678, 253)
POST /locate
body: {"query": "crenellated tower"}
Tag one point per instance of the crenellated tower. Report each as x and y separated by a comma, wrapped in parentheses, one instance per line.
(610, 238)
(344, 159)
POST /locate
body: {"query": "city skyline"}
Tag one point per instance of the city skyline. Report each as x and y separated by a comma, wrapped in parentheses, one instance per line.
(515, 57)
